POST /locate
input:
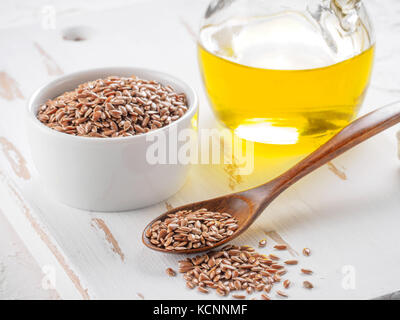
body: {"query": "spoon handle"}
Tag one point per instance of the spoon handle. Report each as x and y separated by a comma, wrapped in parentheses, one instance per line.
(356, 132)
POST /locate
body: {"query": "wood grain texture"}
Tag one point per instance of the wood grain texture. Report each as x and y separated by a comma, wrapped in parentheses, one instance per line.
(342, 221)
(52, 67)
(15, 159)
(20, 276)
(9, 88)
(340, 173)
(101, 225)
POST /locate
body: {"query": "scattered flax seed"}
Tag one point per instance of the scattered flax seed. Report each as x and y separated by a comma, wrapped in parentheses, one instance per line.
(286, 284)
(282, 294)
(308, 285)
(191, 229)
(281, 272)
(268, 288)
(170, 272)
(202, 289)
(221, 292)
(306, 271)
(276, 278)
(306, 252)
(140, 295)
(265, 297)
(262, 243)
(280, 246)
(238, 296)
(113, 107)
(291, 262)
(273, 257)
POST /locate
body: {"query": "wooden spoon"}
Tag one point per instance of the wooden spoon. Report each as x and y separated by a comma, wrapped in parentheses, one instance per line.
(247, 205)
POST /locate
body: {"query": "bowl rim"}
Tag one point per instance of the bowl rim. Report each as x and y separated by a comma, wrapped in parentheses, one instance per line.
(187, 89)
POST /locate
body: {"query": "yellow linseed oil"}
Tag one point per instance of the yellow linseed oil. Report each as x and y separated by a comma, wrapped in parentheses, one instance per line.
(280, 94)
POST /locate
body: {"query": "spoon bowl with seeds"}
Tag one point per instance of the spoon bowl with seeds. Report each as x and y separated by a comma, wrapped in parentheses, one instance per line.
(204, 225)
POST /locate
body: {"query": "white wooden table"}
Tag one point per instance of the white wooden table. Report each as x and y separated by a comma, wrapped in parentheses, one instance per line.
(348, 212)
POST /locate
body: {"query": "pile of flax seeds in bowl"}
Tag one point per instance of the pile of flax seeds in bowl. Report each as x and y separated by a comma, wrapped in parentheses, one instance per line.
(114, 107)
(239, 270)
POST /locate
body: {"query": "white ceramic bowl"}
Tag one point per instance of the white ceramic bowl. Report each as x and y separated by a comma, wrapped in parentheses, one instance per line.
(104, 174)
